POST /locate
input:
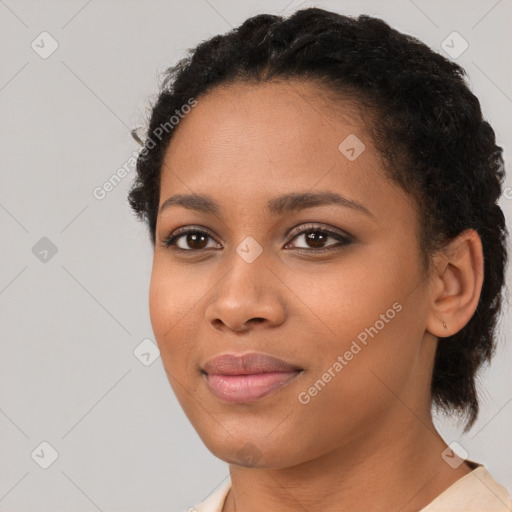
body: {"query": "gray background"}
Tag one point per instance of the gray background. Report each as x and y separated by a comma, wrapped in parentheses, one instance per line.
(70, 323)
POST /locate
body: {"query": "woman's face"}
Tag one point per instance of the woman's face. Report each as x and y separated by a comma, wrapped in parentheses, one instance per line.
(349, 308)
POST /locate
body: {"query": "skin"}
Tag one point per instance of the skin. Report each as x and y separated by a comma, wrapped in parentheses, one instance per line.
(366, 441)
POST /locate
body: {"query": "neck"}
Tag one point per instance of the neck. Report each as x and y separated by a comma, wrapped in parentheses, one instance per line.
(398, 468)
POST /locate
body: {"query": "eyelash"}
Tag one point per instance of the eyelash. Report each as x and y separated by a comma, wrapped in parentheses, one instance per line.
(170, 241)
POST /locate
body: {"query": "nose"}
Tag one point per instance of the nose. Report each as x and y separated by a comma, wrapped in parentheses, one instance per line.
(247, 297)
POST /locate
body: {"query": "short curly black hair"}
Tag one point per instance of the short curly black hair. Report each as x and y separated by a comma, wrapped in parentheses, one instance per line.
(426, 123)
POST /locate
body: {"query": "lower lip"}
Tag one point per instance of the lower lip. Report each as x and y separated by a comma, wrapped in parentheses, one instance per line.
(240, 389)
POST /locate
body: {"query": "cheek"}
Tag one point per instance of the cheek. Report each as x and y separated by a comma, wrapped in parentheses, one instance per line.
(369, 314)
(162, 302)
(171, 309)
(171, 313)
(355, 374)
(173, 294)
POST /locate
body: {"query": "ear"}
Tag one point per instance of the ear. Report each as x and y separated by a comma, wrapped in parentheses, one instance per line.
(455, 284)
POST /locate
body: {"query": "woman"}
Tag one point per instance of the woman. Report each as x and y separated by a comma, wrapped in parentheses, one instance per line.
(321, 194)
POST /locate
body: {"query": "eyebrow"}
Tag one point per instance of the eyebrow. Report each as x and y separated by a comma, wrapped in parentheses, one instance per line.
(294, 201)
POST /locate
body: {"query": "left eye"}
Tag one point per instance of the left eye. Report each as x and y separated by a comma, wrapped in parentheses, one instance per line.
(197, 239)
(318, 236)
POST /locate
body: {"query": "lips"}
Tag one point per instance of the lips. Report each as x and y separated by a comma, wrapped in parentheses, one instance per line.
(247, 364)
(238, 379)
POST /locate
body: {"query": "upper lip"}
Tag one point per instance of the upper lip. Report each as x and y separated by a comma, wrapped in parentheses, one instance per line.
(247, 364)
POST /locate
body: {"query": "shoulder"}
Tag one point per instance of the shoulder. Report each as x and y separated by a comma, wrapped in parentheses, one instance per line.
(214, 502)
(475, 492)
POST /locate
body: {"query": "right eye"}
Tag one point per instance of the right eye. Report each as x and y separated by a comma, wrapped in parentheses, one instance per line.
(193, 237)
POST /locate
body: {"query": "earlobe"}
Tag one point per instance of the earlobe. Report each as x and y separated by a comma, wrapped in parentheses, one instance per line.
(456, 284)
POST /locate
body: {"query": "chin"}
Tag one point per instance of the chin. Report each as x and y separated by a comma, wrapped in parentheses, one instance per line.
(251, 451)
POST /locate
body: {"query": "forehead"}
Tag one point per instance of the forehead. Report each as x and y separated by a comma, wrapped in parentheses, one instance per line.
(267, 122)
(244, 143)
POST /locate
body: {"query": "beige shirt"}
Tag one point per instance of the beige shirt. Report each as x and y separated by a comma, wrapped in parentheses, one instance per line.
(475, 492)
